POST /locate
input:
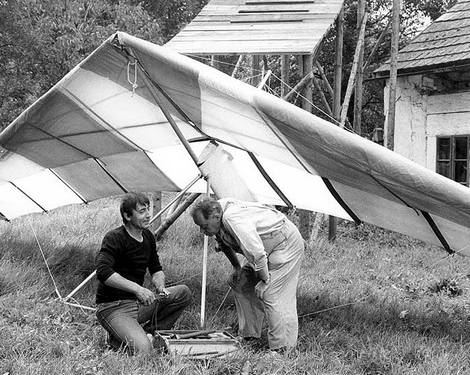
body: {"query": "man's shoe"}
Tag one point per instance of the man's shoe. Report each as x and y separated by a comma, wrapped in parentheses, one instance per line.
(246, 340)
(113, 342)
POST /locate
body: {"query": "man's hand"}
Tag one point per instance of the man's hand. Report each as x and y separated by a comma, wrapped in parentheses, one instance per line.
(164, 293)
(145, 296)
(158, 280)
(261, 287)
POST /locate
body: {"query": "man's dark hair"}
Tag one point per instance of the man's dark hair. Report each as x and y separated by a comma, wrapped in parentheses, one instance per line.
(207, 206)
(129, 203)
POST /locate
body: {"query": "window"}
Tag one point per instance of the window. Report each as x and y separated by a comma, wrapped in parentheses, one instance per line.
(453, 157)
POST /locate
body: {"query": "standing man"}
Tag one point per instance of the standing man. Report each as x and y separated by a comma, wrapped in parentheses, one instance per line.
(266, 285)
(126, 309)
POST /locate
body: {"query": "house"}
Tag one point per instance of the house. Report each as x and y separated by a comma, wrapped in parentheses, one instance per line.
(432, 125)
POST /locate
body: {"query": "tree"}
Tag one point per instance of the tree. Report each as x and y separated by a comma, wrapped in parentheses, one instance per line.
(42, 40)
(172, 15)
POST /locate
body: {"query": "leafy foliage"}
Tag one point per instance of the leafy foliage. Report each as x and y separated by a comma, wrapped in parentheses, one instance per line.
(173, 14)
(42, 40)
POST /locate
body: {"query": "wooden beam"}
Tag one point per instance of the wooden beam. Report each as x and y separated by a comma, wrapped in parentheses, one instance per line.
(265, 63)
(358, 89)
(377, 44)
(317, 86)
(284, 75)
(265, 79)
(352, 76)
(237, 65)
(306, 69)
(393, 74)
(307, 62)
(299, 86)
(338, 65)
(324, 78)
(255, 70)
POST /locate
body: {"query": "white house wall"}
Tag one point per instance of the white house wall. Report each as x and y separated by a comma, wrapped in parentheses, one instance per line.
(420, 118)
(410, 119)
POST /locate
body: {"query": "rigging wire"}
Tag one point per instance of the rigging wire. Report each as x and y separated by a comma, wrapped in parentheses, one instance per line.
(45, 260)
(221, 304)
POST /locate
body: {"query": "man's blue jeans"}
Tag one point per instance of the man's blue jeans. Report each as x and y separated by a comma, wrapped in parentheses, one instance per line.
(127, 321)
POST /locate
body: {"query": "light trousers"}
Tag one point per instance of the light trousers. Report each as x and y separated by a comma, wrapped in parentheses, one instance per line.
(285, 249)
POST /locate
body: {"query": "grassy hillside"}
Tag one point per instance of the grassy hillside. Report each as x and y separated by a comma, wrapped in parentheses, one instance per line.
(371, 303)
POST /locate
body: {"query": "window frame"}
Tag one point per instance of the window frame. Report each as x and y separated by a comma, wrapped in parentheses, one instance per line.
(452, 160)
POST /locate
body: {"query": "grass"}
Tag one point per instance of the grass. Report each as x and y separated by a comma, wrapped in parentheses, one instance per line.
(372, 302)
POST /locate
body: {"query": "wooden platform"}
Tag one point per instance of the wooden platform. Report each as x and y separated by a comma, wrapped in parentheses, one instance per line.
(257, 27)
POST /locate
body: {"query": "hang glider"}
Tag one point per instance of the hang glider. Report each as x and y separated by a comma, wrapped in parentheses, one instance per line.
(134, 116)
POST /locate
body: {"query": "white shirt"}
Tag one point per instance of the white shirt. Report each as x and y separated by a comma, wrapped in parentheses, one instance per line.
(246, 222)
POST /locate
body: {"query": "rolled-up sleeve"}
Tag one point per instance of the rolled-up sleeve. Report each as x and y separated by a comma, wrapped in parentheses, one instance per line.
(106, 258)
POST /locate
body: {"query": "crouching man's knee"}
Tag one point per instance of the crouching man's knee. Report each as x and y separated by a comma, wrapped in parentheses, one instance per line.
(182, 294)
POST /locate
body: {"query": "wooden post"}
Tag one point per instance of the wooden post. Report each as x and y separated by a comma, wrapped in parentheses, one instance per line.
(307, 66)
(237, 65)
(255, 70)
(284, 75)
(214, 61)
(352, 75)
(361, 6)
(393, 74)
(265, 63)
(332, 221)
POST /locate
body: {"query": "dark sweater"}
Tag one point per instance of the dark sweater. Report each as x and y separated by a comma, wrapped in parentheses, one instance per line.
(126, 256)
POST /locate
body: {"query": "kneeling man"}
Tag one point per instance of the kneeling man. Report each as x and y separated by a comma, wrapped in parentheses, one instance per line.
(125, 308)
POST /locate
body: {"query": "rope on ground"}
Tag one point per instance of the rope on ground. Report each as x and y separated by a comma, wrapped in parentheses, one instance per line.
(334, 307)
(183, 280)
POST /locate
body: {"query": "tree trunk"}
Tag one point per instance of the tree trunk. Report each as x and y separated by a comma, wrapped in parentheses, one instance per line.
(360, 73)
(307, 66)
(332, 221)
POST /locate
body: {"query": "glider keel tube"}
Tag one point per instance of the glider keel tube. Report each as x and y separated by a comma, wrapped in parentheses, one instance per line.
(340, 200)
(437, 232)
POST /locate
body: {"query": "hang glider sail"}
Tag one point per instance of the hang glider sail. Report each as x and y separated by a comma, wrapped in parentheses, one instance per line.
(134, 116)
